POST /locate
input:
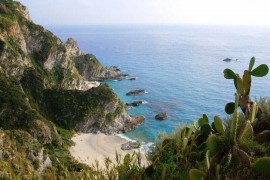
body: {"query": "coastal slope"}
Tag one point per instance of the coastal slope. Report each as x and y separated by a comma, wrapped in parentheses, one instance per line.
(47, 92)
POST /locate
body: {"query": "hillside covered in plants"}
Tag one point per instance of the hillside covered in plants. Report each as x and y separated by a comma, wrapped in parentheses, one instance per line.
(234, 148)
(47, 92)
(45, 97)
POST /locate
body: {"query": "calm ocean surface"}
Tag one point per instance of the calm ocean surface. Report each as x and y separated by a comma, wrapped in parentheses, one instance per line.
(181, 67)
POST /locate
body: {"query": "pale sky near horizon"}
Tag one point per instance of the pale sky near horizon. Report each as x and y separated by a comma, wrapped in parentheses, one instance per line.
(85, 12)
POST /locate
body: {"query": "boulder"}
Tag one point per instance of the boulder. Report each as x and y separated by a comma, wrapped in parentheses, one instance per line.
(130, 145)
(136, 92)
(133, 123)
(161, 116)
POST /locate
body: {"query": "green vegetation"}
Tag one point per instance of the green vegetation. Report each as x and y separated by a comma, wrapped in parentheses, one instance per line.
(88, 63)
(38, 118)
(236, 149)
(31, 102)
(6, 17)
(2, 46)
(68, 107)
(15, 111)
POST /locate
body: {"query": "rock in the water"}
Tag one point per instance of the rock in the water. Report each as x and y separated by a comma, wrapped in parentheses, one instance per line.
(133, 78)
(136, 92)
(135, 103)
(161, 116)
(227, 59)
(130, 145)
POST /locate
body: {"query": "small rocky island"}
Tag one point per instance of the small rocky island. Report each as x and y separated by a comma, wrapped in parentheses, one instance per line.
(132, 78)
(161, 116)
(229, 60)
(135, 103)
(136, 92)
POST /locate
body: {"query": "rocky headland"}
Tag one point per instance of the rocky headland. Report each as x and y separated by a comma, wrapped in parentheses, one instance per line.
(48, 90)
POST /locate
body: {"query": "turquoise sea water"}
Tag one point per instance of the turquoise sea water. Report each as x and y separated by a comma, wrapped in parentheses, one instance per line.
(181, 67)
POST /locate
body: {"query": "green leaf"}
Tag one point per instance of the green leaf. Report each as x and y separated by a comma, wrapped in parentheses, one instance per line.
(251, 63)
(234, 82)
(261, 166)
(229, 108)
(188, 131)
(207, 159)
(205, 129)
(212, 144)
(253, 112)
(203, 120)
(203, 145)
(239, 85)
(213, 126)
(205, 117)
(184, 143)
(196, 174)
(229, 74)
(262, 136)
(247, 81)
(242, 155)
(234, 126)
(260, 71)
(195, 155)
(127, 159)
(219, 125)
(247, 132)
(195, 125)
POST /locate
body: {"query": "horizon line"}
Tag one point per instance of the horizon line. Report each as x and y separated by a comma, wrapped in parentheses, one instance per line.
(159, 24)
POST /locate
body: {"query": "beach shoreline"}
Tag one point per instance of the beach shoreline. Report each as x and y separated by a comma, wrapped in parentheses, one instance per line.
(90, 148)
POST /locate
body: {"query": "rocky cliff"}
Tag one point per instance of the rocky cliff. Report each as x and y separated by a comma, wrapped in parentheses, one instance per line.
(45, 91)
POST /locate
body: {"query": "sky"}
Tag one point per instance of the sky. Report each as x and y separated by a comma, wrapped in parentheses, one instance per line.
(86, 12)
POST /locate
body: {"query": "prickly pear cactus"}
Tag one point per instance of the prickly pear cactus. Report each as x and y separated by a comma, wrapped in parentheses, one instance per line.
(243, 86)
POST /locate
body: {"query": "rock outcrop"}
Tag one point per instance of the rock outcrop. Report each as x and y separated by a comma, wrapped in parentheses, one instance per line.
(132, 78)
(45, 94)
(91, 69)
(161, 116)
(136, 92)
(135, 103)
(130, 145)
(51, 81)
(42, 65)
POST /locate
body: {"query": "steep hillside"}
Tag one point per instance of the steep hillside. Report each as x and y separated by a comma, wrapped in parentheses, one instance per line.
(46, 94)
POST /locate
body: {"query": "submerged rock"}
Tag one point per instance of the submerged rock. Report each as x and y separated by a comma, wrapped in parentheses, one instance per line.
(130, 145)
(161, 116)
(136, 92)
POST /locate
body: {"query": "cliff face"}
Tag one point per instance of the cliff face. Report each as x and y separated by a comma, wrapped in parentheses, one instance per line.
(45, 89)
(39, 61)
(24, 44)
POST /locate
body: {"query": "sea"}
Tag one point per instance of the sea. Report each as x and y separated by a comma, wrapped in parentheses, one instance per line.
(179, 66)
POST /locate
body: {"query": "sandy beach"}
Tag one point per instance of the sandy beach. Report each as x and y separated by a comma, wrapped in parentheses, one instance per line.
(91, 147)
